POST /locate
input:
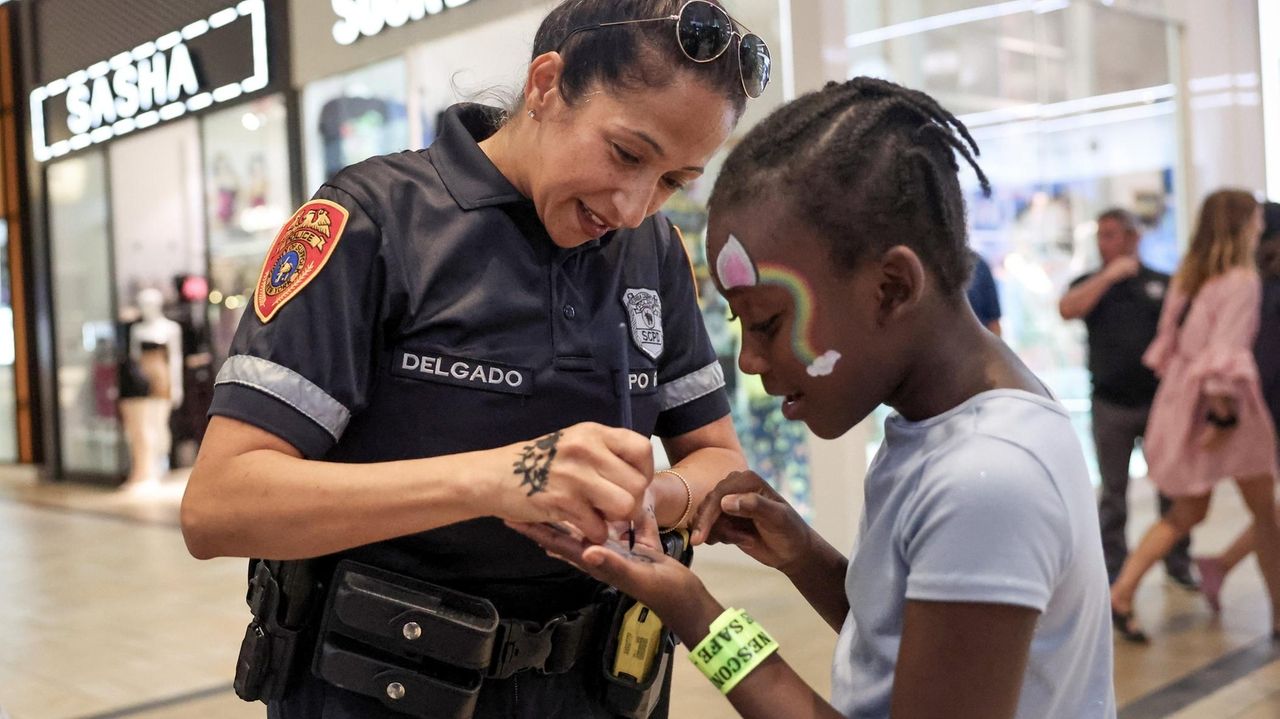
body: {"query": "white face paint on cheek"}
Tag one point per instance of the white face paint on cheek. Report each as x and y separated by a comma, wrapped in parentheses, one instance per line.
(825, 365)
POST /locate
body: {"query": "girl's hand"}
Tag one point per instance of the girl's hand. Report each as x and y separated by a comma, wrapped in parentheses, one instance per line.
(644, 573)
(744, 510)
(587, 475)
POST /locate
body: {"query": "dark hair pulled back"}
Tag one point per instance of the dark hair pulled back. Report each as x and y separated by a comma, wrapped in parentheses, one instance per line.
(869, 164)
(628, 57)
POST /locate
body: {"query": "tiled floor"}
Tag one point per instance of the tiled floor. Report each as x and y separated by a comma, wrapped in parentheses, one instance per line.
(103, 614)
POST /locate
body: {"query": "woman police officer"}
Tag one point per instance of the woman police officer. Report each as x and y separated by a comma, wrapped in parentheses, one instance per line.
(435, 348)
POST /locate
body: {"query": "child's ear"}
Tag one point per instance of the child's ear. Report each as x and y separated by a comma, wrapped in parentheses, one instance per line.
(902, 279)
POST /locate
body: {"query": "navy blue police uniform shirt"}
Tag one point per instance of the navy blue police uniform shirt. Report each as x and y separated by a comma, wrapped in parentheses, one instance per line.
(1120, 328)
(440, 318)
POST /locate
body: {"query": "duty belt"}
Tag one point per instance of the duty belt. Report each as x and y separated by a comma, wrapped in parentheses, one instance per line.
(417, 647)
(550, 648)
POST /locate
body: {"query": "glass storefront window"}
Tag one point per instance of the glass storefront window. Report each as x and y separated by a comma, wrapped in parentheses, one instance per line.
(1074, 107)
(84, 321)
(247, 199)
(353, 117)
(484, 65)
(157, 212)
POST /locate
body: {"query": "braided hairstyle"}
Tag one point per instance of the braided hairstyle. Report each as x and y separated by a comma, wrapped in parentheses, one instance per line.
(869, 164)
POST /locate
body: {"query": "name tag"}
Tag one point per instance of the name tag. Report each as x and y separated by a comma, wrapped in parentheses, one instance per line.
(643, 382)
(461, 372)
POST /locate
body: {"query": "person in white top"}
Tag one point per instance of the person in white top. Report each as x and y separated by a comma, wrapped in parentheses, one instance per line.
(978, 589)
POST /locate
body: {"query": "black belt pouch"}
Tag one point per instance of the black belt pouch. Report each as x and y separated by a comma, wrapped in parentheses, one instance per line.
(418, 648)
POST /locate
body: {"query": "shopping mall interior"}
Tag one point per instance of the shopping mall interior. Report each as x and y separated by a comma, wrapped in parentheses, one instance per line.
(150, 152)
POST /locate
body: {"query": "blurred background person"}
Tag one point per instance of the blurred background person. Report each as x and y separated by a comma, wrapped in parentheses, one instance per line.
(1208, 420)
(1120, 305)
(1213, 570)
(983, 295)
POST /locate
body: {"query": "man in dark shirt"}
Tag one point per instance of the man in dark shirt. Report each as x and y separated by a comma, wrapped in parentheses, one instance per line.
(1120, 305)
(984, 298)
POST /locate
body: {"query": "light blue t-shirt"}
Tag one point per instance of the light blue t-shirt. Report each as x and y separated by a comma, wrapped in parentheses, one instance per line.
(990, 502)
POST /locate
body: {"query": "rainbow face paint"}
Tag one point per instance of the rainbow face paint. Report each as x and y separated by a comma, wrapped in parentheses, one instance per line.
(735, 269)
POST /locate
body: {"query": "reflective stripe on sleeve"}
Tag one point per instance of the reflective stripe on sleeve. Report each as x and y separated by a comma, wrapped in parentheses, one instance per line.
(289, 387)
(690, 387)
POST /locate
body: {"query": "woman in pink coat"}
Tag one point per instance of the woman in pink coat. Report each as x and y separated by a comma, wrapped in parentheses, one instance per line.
(1208, 421)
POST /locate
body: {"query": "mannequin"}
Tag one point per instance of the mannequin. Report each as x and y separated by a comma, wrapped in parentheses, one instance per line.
(155, 348)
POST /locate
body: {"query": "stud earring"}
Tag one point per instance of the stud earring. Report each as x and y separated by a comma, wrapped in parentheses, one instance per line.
(533, 115)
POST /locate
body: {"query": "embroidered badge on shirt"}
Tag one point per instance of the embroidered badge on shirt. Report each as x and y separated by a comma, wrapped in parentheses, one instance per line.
(644, 314)
(300, 251)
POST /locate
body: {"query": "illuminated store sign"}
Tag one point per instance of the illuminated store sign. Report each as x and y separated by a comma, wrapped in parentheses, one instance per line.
(154, 82)
(369, 17)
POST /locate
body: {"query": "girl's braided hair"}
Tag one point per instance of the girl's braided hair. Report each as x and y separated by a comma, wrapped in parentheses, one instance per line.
(869, 164)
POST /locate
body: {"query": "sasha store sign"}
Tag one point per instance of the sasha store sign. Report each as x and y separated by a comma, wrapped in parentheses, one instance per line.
(210, 61)
(367, 18)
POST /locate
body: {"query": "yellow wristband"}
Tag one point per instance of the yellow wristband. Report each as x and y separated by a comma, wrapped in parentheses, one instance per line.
(733, 649)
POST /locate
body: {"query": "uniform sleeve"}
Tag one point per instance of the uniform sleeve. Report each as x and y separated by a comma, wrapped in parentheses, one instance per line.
(988, 527)
(303, 371)
(691, 386)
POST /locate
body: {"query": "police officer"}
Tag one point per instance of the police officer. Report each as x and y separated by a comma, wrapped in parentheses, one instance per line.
(435, 348)
(1120, 305)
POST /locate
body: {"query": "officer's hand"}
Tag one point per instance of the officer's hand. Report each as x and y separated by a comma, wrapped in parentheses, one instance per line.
(744, 510)
(644, 573)
(586, 475)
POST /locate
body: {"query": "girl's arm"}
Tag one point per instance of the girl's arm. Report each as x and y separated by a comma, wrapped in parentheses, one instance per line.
(962, 660)
(744, 510)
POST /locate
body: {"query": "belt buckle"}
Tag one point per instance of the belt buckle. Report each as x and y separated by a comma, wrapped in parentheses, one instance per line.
(520, 649)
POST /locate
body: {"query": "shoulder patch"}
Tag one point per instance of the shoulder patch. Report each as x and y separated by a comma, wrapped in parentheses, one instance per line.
(300, 251)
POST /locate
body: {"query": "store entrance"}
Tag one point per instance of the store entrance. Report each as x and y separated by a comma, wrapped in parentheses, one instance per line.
(158, 227)
(156, 242)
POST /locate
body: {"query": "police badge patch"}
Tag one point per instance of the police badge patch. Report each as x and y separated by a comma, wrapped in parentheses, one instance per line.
(644, 314)
(300, 251)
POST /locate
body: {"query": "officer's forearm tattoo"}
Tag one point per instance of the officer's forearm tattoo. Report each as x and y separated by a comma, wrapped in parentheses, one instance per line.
(535, 463)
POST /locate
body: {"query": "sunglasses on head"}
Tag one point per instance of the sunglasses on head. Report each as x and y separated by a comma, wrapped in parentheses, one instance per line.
(704, 32)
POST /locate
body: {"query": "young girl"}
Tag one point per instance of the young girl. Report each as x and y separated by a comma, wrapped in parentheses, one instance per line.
(977, 590)
(1209, 420)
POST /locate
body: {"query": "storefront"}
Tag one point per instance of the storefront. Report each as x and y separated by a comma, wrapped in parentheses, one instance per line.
(160, 142)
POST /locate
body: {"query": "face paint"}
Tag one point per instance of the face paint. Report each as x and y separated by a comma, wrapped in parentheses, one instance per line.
(801, 329)
(734, 266)
(736, 269)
